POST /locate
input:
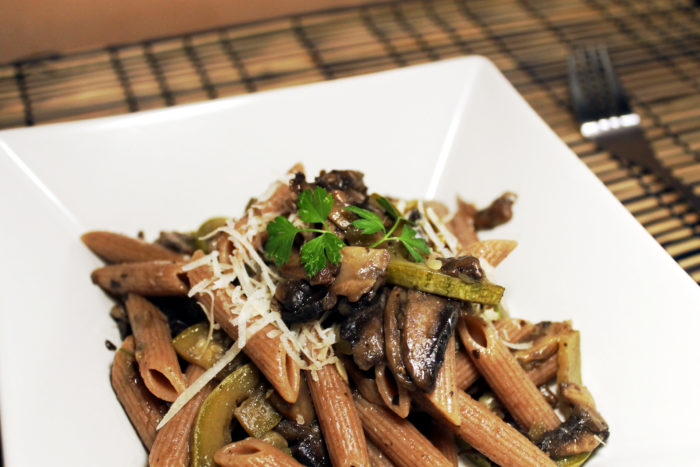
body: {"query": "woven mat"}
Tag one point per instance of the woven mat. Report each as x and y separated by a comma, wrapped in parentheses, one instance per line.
(655, 45)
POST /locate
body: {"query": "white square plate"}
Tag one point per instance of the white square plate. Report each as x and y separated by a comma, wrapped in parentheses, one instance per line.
(453, 127)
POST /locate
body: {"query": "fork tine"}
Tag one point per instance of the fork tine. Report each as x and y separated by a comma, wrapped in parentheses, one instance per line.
(619, 101)
(599, 94)
(578, 95)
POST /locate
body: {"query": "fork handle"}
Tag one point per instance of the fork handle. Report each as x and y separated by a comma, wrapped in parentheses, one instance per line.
(634, 147)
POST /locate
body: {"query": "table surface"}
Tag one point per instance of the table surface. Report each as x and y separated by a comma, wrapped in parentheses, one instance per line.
(655, 45)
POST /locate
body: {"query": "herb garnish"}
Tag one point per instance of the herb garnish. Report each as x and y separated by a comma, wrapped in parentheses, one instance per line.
(314, 208)
(370, 223)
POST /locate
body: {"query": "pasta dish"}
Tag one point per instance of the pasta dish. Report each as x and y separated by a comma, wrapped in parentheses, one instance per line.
(331, 326)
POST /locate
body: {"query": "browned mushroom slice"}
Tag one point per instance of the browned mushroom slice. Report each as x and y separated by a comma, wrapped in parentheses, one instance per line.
(499, 212)
(393, 318)
(428, 323)
(364, 329)
(303, 302)
(349, 181)
(362, 271)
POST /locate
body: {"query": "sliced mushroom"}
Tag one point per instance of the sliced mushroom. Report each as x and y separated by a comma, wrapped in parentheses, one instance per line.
(303, 302)
(462, 265)
(499, 212)
(349, 181)
(393, 319)
(364, 330)
(362, 271)
(428, 323)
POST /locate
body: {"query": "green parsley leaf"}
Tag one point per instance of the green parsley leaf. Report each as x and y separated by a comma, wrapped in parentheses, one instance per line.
(368, 221)
(413, 244)
(315, 252)
(280, 238)
(315, 206)
(388, 207)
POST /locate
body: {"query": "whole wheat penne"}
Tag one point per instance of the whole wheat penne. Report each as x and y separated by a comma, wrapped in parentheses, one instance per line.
(172, 444)
(395, 397)
(155, 354)
(376, 457)
(513, 329)
(544, 371)
(151, 278)
(494, 438)
(506, 377)
(493, 251)
(143, 408)
(397, 437)
(466, 373)
(118, 248)
(337, 417)
(268, 353)
(252, 452)
(462, 223)
(444, 440)
(444, 397)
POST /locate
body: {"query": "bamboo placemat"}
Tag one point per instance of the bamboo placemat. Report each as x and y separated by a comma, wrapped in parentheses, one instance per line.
(655, 45)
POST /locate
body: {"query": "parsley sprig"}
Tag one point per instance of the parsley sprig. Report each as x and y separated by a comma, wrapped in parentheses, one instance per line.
(314, 208)
(370, 223)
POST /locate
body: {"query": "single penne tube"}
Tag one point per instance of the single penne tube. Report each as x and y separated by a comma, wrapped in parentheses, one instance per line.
(172, 443)
(155, 354)
(505, 376)
(252, 452)
(150, 278)
(545, 371)
(466, 373)
(494, 438)
(444, 397)
(395, 397)
(337, 417)
(493, 251)
(265, 348)
(376, 457)
(118, 248)
(397, 437)
(513, 329)
(143, 409)
(444, 440)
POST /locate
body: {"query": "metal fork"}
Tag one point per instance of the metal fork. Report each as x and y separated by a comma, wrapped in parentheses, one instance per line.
(606, 117)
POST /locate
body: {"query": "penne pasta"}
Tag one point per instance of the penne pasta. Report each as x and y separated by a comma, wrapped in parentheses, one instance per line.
(444, 397)
(494, 438)
(143, 409)
(338, 418)
(492, 251)
(155, 354)
(395, 397)
(268, 353)
(542, 372)
(151, 279)
(506, 377)
(172, 443)
(300, 411)
(118, 248)
(252, 452)
(512, 329)
(376, 457)
(397, 437)
(466, 373)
